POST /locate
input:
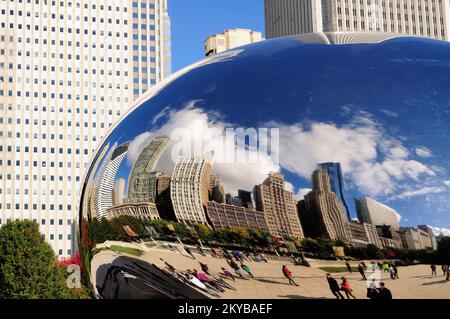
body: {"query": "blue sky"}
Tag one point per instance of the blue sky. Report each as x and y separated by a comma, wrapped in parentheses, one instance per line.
(194, 20)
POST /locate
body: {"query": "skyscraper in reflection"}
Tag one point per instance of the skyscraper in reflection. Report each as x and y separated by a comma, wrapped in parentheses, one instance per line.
(103, 198)
(279, 207)
(142, 179)
(189, 188)
(321, 212)
(334, 171)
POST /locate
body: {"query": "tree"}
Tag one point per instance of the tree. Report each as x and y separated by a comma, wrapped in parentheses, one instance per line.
(204, 233)
(28, 265)
(101, 231)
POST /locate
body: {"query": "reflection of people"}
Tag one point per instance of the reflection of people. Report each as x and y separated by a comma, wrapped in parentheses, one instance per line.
(188, 250)
(334, 287)
(384, 293)
(345, 286)
(361, 271)
(246, 269)
(433, 270)
(288, 275)
(172, 268)
(349, 268)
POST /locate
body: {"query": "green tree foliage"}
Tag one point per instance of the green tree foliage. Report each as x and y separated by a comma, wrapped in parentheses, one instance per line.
(101, 231)
(204, 233)
(443, 250)
(28, 265)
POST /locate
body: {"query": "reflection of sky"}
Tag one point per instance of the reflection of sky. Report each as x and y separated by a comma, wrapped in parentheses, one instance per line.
(381, 110)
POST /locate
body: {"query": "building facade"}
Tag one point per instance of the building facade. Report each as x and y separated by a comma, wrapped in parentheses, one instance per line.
(66, 75)
(105, 183)
(359, 235)
(230, 216)
(189, 188)
(389, 236)
(322, 214)
(137, 210)
(334, 171)
(372, 235)
(415, 239)
(430, 233)
(119, 191)
(428, 18)
(229, 39)
(372, 212)
(279, 207)
(142, 178)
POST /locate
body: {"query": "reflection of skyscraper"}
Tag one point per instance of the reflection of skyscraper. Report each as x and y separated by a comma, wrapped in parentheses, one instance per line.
(103, 199)
(246, 198)
(279, 207)
(336, 182)
(372, 212)
(189, 188)
(216, 190)
(233, 200)
(321, 212)
(142, 179)
(119, 191)
(163, 200)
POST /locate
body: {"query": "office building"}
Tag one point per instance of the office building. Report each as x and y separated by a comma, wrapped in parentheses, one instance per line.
(104, 196)
(229, 39)
(372, 212)
(322, 214)
(137, 210)
(334, 171)
(246, 198)
(163, 200)
(142, 178)
(358, 234)
(231, 216)
(233, 200)
(119, 191)
(415, 239)
(427, 18)
(389, 236)
(189, 188)
(216, 190)
(372, 235)
(278, 206)
(430, 233)
(68, 71)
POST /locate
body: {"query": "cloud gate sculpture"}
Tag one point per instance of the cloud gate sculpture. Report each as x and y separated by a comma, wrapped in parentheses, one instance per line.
(271, 141)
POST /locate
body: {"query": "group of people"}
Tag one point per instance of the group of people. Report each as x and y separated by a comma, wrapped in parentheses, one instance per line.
(226, 254)
(445, 270)
(373, 292)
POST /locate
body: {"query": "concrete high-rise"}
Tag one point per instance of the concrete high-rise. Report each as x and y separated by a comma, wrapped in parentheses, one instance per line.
(372, 212)
(229, 39)
(321, 213)
(334, 171)
(278, 206)
(104, 196)
(430, 233)
(68, 71)
(142, 179)
(428, 18)
(189, 188)
(119, 191)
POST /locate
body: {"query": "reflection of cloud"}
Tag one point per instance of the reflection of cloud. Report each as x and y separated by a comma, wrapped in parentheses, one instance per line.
(437, 231)
(447, 183)
(418, 192)
(423, 152)
(204, 132)
(389, 113)
(374, 161)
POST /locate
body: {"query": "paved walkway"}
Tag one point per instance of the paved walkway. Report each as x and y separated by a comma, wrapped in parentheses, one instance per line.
(415, 281)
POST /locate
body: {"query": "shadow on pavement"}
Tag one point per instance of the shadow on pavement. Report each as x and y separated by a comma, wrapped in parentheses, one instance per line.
(131, 278)
(300, 297)
(435, 282)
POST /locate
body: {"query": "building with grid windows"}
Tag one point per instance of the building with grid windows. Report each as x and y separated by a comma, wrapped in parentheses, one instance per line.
(428, 18)
(68, 71)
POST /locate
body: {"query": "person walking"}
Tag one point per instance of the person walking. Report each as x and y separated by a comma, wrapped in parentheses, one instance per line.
(349, 268)
(288, 274)
(448, 272)
(383, 292)
(228, 274)
(443, 269)
(204, 267)
(394, 266)
(247, 269)
(361, 271)
(345, 286)
(189, 251)
(235, 267)
(334, 287)
(172, 268)
(385, 267)
(433, 270)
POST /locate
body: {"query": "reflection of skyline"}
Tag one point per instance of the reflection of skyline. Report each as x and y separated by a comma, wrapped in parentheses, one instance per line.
(106, 180)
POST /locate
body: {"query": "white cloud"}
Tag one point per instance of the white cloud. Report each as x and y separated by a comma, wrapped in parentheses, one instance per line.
(447, 183)
(423, 152)
(437, 231)
(418, 192)
(373, 161)
(389, 113)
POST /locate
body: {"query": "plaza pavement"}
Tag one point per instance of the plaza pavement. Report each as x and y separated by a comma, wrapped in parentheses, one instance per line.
(415, 281)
